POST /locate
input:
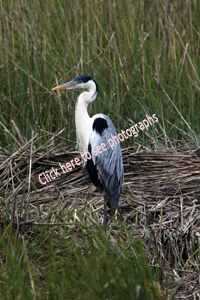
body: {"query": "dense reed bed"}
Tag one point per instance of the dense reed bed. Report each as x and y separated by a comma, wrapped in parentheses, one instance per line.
(144, 56)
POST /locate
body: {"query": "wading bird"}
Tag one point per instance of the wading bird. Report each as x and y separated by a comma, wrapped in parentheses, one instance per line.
(105, 167)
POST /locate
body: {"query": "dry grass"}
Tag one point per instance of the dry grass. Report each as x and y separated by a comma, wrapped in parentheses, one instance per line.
(160, 202)
(145, 57)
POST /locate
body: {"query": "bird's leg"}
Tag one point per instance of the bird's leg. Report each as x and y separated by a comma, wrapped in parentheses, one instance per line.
(84, 167)
(105, 209)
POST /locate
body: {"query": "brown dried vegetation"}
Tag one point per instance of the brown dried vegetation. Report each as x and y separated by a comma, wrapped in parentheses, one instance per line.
(160, 202)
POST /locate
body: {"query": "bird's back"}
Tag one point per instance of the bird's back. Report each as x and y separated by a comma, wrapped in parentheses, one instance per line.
(108, 163)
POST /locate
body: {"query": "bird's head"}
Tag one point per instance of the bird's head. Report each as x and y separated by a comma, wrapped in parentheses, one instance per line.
(79, 82)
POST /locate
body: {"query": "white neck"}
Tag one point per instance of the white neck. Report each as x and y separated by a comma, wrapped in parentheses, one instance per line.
(83, 120)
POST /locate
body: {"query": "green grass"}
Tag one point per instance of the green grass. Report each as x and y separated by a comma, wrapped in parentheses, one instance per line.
(144, 56)
(73, 265)
(124, 45)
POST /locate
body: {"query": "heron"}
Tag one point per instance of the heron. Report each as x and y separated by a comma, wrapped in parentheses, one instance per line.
(105, 167)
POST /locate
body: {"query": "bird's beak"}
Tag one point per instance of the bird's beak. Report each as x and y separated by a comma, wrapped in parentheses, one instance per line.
(69, 85)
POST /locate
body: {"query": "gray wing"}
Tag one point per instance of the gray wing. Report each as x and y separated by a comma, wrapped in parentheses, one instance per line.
(108, 163)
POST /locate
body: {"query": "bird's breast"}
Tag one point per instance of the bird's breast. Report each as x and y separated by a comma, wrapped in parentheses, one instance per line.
(84, 130)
